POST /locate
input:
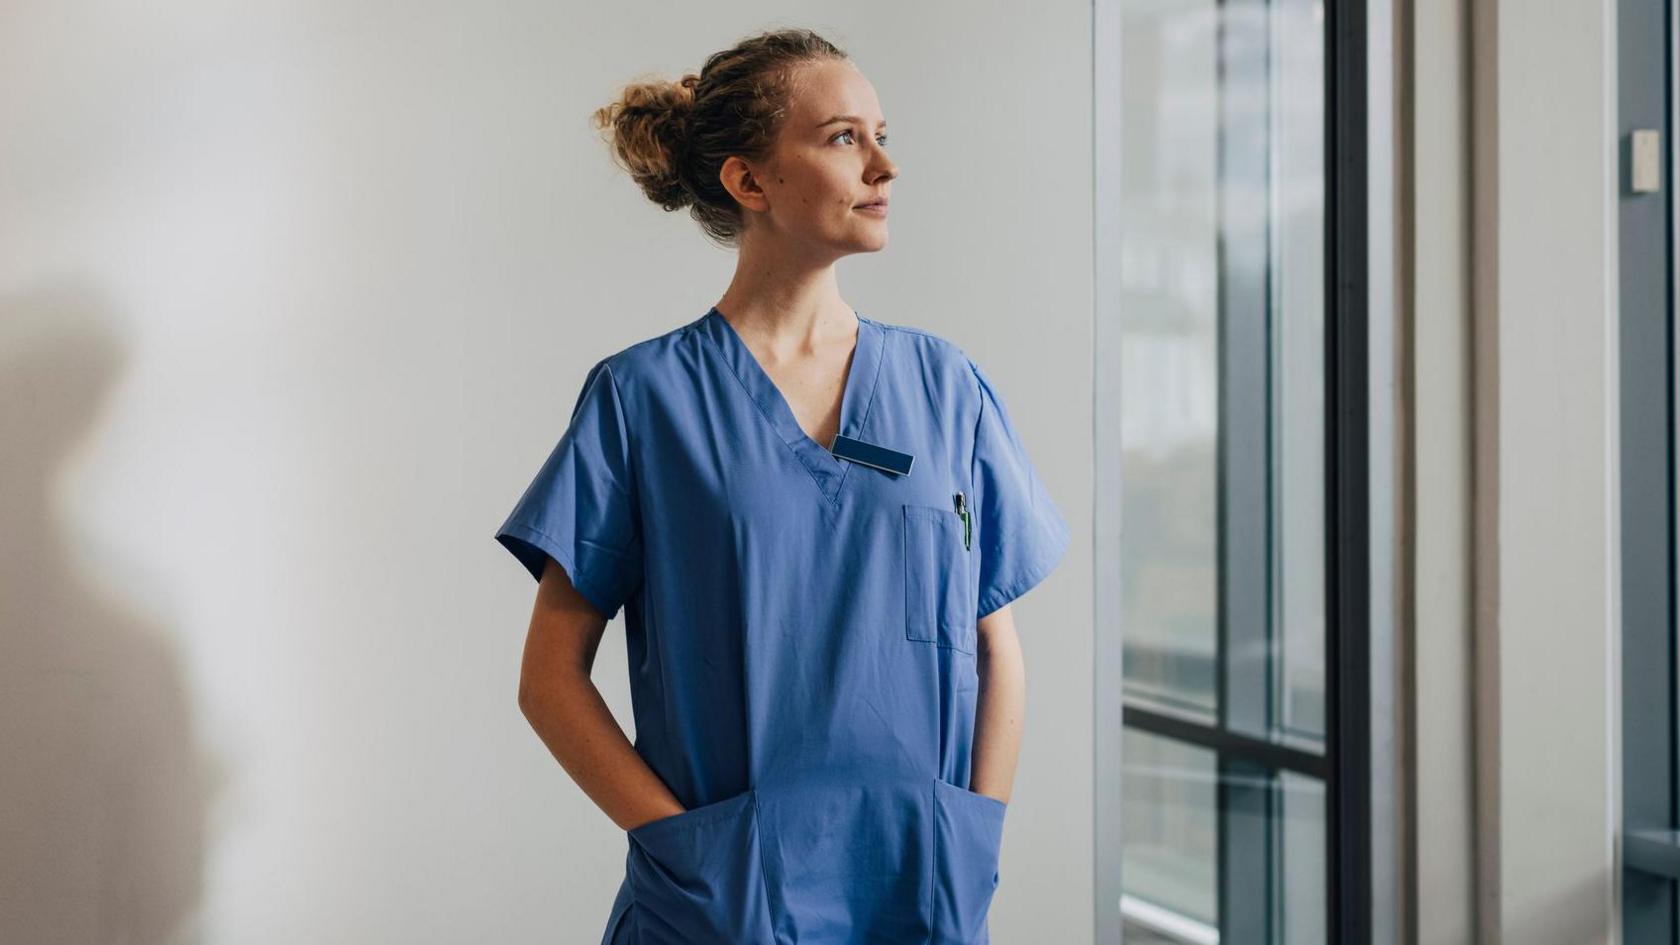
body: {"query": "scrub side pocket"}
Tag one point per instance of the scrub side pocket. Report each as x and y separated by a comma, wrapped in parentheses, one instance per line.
(937, 605)
(967, 838)
(696, 877)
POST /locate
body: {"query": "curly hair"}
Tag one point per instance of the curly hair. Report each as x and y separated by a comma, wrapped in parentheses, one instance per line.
(673, 137)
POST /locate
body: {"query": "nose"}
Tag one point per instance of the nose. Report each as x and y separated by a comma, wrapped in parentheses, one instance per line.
(882, 166)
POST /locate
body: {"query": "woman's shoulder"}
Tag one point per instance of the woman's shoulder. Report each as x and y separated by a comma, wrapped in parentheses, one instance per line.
(931, 349)
(652, 358)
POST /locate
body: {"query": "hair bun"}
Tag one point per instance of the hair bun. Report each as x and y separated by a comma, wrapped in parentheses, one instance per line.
(674, 146)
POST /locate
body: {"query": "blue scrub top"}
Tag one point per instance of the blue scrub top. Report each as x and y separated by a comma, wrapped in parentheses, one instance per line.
(801, 630)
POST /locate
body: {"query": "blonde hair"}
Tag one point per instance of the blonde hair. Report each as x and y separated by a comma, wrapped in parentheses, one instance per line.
(673, 137)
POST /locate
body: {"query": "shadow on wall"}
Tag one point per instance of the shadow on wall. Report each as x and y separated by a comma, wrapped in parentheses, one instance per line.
(102, 801)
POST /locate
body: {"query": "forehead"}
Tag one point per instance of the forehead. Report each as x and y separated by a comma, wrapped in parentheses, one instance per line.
(826, 89)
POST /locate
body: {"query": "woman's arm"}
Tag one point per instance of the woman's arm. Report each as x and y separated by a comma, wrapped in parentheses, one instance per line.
(1002, 708)
(569, 715)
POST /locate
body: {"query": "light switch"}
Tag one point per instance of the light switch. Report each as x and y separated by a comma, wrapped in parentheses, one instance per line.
(1646, 161)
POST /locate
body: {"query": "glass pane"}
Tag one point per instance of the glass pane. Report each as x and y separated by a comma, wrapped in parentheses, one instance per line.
(1171, 833)
(1302, 866)
(1169, 358)
(1242, 163)
(1297, 279)
(1223, 490)
(1170, 836)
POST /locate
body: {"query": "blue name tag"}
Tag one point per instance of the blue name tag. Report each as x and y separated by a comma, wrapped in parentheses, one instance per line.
(869, 454)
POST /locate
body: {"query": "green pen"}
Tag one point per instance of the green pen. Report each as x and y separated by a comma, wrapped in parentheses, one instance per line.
(962, 509)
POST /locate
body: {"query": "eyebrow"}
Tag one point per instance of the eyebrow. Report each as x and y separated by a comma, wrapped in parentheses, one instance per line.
(853, 119)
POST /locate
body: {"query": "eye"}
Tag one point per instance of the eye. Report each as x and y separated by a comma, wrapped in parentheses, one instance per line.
(880, 139)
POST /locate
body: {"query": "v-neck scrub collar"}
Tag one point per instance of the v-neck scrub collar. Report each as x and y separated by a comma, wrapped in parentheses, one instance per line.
(861, 376)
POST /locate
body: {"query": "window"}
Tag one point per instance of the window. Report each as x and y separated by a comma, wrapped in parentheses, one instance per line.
(1234, 770)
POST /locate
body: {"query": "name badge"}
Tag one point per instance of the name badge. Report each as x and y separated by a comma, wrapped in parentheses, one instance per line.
(869, 454)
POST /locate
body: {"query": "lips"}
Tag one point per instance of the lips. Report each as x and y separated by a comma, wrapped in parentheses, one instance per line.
(872, 203)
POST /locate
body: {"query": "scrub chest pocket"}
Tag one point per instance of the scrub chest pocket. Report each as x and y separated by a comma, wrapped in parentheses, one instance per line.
(938, 607)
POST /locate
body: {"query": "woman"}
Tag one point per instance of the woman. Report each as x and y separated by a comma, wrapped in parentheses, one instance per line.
(826, 682)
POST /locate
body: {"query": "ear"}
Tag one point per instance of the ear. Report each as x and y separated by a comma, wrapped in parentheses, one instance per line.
(742, 181)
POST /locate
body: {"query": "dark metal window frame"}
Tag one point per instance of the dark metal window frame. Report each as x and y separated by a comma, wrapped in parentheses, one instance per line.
(1650, 787)
(1244, 612)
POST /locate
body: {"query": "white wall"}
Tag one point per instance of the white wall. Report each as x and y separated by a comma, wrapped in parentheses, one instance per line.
(1515, 381)
(1511, 244)
(293, 300)
(1436, 241)
(1546, 392)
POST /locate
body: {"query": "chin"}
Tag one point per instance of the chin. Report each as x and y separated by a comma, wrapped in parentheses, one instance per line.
(873, 240)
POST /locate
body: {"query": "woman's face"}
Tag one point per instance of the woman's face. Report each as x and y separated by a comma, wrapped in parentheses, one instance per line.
(829, 158)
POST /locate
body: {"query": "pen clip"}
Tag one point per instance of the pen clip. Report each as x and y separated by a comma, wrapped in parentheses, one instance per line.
(962, 510)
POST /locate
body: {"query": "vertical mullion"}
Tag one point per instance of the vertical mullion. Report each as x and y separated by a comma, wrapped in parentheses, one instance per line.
(1347, 652)
(1108, 670)
(1245, 424)
(1245, 489)
(1223, 862)
(1671, 630)
(1246, 798)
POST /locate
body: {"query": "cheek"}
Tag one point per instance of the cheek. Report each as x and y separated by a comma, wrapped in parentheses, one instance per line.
(821, 194)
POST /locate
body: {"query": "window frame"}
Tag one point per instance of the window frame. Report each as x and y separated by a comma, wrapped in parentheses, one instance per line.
(1646, 83)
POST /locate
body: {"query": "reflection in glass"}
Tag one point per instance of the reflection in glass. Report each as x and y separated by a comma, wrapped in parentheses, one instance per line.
(1171, 861)
(1297, 279)
(1222, 380)
(1168, 353)
(1171, 840)
(1301, 852)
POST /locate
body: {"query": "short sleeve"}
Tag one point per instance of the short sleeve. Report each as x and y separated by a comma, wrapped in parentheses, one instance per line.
(1018, 531)
(580, 509)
